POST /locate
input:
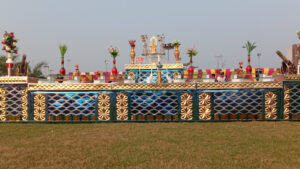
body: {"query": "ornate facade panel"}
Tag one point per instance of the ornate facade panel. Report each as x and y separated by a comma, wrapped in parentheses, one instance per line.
(132, 74)
(39, 107)
(154, 103)
(2, 104)
(292, 77)
(103, 106)
(14, 100)
(294, 100)
(122, 106)
(143, 75)
(17, 80)
(71, 104)
(286, 104)
(204, 106)
(24, 103)
(186, 106)
(270, 105)
(238, 102)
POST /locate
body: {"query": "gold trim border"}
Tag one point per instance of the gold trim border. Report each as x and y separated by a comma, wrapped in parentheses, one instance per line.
(24, 103)
(242, 85)
(151, 66)
(61, 86)
(17, 80)
(292, 77)
(163, 86)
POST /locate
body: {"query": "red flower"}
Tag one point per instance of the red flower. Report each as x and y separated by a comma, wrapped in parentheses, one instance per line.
(298, 46)
(16, 52)
(3, 42)
(12, 34)
(5, 33)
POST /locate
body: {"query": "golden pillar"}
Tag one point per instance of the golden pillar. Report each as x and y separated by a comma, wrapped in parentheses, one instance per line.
(132, 54)
(176, 54)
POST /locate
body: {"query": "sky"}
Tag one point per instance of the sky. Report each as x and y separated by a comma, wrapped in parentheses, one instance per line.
(89, 27)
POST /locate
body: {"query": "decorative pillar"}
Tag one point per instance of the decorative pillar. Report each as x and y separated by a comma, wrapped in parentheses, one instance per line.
(186, 105)
(204, 106)
(270, 106)
(159, 78)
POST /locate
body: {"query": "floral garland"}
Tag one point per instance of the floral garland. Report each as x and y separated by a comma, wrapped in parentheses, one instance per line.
(9, 43)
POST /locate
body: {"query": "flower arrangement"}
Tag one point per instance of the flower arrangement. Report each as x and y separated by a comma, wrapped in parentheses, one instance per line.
(176, 43)
(132, 43)
(192, 52)
(298, 33)
(9, 43)
(114, 51)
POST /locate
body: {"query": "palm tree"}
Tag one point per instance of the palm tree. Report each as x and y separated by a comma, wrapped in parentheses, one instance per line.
(63, 49)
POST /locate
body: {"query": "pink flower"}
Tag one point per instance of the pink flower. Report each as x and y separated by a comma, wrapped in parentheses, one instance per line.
(3, 42)
(12, 34)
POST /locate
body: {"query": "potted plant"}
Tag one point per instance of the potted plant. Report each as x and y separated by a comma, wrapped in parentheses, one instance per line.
(9, 45)
(114, 52)
(249, 47)
(191, 53)
(176, 43)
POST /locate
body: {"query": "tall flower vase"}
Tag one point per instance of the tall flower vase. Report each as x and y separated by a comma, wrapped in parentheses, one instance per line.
(176, 54)
(248, 69)
(132, 54)
(114, 70)
(191, 69)
(62, 70)
(9, 64)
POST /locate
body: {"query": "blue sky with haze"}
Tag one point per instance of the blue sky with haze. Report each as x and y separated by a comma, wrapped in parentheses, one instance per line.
(89, 27)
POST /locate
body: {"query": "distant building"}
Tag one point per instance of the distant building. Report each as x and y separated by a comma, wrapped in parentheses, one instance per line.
(293, 55)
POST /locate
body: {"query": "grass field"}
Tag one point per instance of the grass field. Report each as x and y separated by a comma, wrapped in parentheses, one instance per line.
(151, 145)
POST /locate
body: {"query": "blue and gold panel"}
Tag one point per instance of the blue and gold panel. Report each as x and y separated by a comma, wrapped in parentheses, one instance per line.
(294, 100)
(154, 104)
(71, 104)
(13, 96)
(239, 104)
(143, 75)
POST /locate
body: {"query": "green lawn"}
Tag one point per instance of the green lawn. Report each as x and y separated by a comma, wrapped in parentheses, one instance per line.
(151, 145)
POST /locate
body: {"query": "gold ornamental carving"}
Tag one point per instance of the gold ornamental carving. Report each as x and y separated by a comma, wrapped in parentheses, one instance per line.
(236, 85)
(270, 106)
(186, 112)
(286, 100)
(153, 66)
(24, 103)
(2, 104)
(104, 106)
(39, 109)
(204, 106)
(122, 106)
(61, 86)
(176, 75)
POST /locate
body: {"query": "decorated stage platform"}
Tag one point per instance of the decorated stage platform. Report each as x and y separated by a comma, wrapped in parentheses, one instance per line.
(23, 101)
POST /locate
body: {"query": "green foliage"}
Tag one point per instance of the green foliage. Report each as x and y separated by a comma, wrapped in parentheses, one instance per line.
(63, 49)
(176, 43)
(249, 47)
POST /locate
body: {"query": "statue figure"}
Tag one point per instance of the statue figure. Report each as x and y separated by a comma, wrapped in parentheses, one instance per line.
(22, 69)
(153, 45)
(240, 71)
